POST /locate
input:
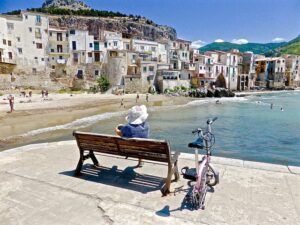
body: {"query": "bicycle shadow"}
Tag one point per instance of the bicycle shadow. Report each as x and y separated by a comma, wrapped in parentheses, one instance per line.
(186, 203)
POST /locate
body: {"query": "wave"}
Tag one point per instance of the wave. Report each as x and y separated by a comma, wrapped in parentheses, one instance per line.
(80, 123)
(213, 100)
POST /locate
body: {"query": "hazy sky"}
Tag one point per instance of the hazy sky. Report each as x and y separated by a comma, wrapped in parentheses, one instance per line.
(205, 20)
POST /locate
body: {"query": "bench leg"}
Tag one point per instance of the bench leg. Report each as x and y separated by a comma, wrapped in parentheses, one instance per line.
(166, 188)
(94, 159)
(79, 165)
(176, 172)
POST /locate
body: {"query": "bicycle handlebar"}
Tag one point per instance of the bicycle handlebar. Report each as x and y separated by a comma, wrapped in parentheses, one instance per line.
(210, 121)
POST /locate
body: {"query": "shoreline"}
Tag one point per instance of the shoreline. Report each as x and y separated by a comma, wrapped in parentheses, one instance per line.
(63, 109)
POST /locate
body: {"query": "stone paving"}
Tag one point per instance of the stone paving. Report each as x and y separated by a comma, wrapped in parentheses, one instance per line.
(37, 186)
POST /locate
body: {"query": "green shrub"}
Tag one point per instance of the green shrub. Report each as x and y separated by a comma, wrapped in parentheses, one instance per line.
(103, 83)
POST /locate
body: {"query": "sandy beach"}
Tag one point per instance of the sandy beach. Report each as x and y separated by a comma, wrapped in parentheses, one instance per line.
(35, 112)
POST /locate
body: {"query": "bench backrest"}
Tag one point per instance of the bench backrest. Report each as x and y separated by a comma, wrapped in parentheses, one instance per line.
(149, 149)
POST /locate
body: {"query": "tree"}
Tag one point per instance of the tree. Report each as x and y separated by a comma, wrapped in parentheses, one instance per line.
(103, 83)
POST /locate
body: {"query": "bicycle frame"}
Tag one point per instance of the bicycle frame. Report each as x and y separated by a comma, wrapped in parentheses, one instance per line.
(200, 187)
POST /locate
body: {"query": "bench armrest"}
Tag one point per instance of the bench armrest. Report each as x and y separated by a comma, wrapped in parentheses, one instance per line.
(175, 157)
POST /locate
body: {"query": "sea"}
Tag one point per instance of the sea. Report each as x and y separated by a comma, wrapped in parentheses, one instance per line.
(261, 127)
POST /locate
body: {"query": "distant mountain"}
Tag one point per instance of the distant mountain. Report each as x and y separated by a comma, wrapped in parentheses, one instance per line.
(291, 47)
(257, 48)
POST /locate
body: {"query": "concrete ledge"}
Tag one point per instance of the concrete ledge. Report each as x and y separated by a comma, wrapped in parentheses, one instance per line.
(37, 186)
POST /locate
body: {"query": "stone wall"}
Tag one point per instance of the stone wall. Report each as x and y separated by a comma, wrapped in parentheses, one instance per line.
(134, 85)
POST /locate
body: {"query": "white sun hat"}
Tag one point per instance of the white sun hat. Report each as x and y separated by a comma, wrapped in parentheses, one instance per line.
(137, 114)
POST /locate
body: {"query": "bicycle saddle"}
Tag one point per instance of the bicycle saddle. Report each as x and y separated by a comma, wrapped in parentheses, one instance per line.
(196, 144)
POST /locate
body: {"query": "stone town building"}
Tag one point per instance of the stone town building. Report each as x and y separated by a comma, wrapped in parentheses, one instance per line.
(24, 42)
(292, 72)
(270, 72)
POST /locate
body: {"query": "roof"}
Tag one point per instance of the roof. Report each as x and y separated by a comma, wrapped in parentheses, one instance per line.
(181, 40)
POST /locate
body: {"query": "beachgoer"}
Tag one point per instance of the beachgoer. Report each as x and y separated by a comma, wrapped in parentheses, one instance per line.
(46, 94)
(30, 94)
(137, 126)
(271, 106)
(218, 102)
(281, 109)
(43, 93)
(11, 100)
(147, 97)
(137, 97)
(122, 103)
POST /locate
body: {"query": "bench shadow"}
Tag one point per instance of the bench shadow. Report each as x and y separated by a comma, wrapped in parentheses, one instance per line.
(127, 178)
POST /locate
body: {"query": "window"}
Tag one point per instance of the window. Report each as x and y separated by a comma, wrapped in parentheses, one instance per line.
(30, 29)
(9, 43)
(10, 26)
(10, 55)
(142, 48)
(127, 46)
(96, 72)
(4, 41)
(20, 51)
(153, 49)
(75, 57)
(80, 74)
(59, 36)
(105, 44)
(72, 32)
(18, 39)
(91, 45)
(59, 48)
(74, 45)
(52, 50)
(33, 70)
(42, 59)
(53, 67)
(50, 33)
(60, 57)
(90, 55)
(145, 69)
(115, 43)
(38, 33)
(151, 68)
(39, 45)
(36, 58)
(38, 19)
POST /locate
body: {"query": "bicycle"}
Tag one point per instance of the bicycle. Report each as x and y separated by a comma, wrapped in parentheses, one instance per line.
(204, 173)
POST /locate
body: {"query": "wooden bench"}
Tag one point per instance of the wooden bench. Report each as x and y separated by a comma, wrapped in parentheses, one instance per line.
(146, 149)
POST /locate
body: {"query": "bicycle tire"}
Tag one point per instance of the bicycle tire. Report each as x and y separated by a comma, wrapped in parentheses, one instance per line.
(213, 176)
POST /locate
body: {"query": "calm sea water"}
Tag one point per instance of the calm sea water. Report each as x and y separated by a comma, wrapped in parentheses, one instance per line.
(247, 128)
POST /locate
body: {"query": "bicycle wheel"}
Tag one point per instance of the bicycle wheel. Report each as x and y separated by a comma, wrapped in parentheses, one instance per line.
(212, 176)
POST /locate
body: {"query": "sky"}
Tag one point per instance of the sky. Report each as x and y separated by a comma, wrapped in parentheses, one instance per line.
(206, 21)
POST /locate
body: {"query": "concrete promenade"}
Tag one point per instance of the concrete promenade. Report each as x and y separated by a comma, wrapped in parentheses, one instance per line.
(37, 186)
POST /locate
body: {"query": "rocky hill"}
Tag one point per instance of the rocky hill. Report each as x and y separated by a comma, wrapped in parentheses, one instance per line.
(66, 4)
(74, 14)
(127, 26)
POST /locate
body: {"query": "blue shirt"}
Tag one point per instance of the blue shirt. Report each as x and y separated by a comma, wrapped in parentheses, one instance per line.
(135, 130)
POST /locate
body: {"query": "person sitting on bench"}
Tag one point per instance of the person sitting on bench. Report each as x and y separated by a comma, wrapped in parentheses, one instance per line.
(137, 126)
